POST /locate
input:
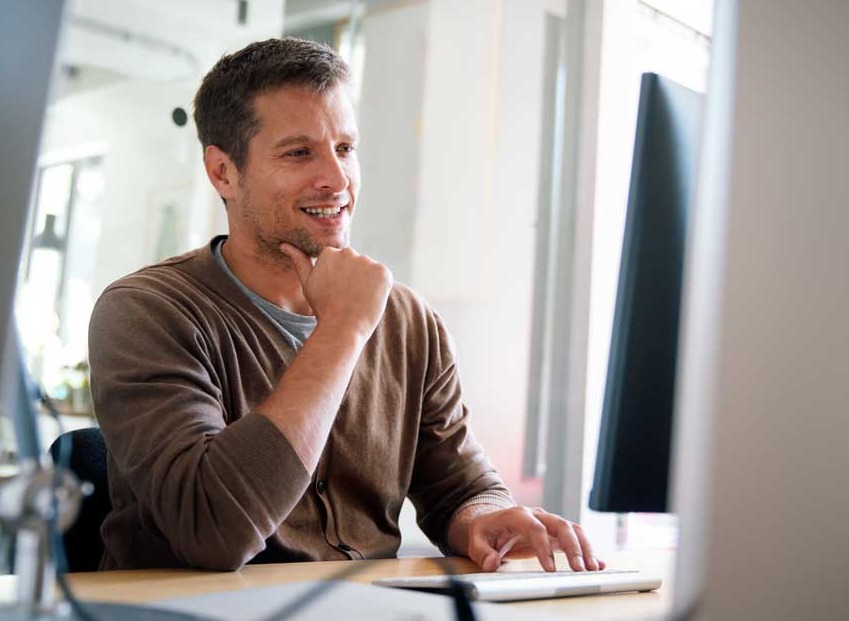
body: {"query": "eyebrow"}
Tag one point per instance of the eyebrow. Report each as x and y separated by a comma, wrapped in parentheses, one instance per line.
(291, 140)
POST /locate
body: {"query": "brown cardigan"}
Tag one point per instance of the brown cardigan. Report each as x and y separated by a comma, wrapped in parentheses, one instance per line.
(179, 359)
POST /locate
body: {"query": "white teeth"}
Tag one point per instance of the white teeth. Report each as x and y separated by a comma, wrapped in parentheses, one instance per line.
(326, 213)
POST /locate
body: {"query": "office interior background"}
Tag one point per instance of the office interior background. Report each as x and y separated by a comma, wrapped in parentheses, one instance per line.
(483, 190)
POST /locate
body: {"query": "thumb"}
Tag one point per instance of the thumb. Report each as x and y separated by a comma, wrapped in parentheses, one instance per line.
(486, 557)
(300, 261)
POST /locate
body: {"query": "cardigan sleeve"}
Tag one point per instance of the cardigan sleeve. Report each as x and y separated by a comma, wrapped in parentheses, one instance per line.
(450, 466)
(214, 491)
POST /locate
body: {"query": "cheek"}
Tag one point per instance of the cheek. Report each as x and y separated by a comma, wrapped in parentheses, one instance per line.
(354, 170)
(354, 177)
(280, 199)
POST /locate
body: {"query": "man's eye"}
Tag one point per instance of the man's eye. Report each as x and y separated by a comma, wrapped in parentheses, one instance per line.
(346, 148)
(298, 153)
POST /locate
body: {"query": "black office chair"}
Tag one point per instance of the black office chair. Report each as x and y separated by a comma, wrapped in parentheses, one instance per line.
(83, 545)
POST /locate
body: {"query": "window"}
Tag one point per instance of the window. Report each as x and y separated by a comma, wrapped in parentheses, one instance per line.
(55, 282)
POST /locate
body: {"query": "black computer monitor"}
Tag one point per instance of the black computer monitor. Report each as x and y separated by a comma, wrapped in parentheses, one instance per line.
(633, 459)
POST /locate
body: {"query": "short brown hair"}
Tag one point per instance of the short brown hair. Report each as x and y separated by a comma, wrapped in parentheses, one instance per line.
(224, 111)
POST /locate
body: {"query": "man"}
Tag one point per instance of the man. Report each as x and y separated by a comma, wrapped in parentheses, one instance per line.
(274, 396)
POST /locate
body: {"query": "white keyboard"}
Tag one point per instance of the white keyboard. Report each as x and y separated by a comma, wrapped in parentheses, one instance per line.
(532, 575)
(509, 586)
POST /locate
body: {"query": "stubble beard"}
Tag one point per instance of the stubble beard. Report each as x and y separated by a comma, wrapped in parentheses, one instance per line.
(268, 245)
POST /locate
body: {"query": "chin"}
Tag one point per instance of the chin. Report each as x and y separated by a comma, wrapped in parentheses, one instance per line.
(338, 243)
(311, 245)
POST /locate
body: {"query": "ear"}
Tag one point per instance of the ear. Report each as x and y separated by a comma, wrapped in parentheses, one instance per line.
(222, 172)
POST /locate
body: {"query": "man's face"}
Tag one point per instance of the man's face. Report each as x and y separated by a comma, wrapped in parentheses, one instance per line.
(300, 180)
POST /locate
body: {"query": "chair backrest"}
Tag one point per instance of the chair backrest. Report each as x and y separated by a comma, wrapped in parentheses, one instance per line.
(83, 545)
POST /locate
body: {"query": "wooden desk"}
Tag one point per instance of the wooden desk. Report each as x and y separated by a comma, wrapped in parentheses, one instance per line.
(148, 585)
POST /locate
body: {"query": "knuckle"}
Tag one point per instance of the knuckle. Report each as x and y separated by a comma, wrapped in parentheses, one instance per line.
(538, 528)
(564, 522)
(562, 529)
(525, 511)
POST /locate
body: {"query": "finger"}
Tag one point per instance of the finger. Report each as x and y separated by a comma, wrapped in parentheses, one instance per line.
(300, 261)
(509, 545)
(482, 553)
(537, 535)
(590, 560)
(564, 532)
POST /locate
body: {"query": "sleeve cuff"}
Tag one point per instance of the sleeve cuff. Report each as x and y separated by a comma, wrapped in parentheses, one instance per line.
(494, 498)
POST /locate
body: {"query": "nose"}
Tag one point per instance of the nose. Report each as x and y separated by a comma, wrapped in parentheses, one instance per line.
(332, 174)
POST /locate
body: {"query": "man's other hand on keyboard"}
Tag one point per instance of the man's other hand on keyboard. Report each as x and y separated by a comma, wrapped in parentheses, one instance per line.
(488, 534)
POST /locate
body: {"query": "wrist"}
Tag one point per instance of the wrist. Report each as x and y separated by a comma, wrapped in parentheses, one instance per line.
(341, 334)
(458, 535)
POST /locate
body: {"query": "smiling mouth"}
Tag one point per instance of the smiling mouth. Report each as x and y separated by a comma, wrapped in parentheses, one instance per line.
(324, 212)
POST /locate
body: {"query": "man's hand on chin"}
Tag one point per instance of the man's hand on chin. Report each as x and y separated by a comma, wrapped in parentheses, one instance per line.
(488, 534)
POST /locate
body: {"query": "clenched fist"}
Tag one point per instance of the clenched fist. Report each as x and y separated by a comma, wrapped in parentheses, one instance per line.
(346, 290)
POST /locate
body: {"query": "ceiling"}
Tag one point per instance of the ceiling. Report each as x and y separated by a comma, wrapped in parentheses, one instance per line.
(108, 40)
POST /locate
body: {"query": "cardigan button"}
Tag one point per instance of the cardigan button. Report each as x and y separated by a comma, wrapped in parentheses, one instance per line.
(321, 487)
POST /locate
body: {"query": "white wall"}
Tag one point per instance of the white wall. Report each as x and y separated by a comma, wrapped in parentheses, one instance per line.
(144, 155)
(147, 159)
(450, 116)
(458, 150)
(390, 122)
(474, 252)
(450, 187)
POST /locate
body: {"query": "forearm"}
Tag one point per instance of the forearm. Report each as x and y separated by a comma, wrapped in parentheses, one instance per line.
(347, 292)
(305, 402)
(210, 478)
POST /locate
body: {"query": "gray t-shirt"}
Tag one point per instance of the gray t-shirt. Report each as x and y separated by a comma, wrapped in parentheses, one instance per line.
(296, 329)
